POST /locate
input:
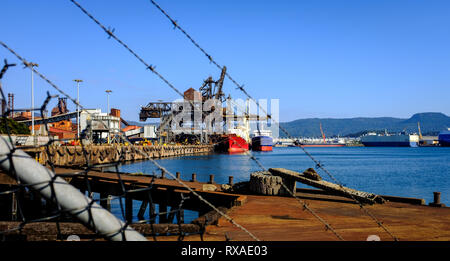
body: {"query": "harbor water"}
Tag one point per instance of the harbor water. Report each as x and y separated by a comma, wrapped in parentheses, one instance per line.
(396, 171)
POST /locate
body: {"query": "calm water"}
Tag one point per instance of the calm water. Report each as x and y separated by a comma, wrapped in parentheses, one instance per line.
(407, 172)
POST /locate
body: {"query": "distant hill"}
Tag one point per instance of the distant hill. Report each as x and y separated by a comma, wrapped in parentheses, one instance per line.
(430, 122)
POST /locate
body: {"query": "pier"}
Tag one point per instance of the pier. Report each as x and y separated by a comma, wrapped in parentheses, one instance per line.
(269, 217)
(282, 219)
(62, 172)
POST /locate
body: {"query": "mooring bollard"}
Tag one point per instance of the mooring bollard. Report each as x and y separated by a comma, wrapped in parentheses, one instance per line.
(230, 180)
(211, 179)
(163, 174)
(437, 200)
(437, 197)
(178, 175)
(194, 177)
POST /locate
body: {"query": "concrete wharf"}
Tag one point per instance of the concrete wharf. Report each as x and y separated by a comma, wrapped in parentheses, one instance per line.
(75, 156)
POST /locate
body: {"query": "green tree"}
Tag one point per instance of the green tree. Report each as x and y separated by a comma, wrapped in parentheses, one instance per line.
(14, 127)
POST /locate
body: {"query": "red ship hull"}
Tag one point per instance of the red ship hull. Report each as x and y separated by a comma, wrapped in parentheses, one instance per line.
(262, 148)
(232, 143)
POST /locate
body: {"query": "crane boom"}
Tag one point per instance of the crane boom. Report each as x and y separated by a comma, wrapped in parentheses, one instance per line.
(323, 135)
(219, 94)
(420, 132)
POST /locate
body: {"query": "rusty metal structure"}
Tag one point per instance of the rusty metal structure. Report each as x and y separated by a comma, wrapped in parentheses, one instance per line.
(166, 111)
(155, 110)
(211, 89)
(61, 108)
(158, 110)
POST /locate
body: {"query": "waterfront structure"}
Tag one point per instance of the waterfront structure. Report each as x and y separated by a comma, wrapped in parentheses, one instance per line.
(137, 133)
(390, 140)
(98, 126)
(324, 142)
(332, 143)
(310, 142)
(197, 127)
(63, 129)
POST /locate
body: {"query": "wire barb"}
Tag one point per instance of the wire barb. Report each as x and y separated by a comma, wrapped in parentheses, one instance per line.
(241, 88)
(125, 191)
(181, 94)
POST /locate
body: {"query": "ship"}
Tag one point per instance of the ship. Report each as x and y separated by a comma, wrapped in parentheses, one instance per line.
(262, 143)
(262, 140)
(390, 140)
(232, 143)
(323, 143)
(444, 138)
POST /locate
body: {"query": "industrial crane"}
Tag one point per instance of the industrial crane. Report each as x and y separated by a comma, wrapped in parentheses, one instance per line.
(323, 135)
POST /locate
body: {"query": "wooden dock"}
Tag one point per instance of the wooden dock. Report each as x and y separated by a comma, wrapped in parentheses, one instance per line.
(273, 218)
(283, 219)
(269, 218)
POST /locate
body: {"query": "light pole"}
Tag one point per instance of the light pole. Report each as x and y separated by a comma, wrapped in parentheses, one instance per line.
(107, 113)
(31, 65)
(107, 95)
(78, 106)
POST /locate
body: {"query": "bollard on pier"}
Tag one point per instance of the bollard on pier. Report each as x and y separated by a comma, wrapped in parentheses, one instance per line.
(437, 200)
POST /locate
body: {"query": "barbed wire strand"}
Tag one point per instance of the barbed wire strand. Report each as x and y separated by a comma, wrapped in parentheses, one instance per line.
(53, 198)
(241, 88)
(21, 186)
(53, 181)
(144, 154)
(112, 35)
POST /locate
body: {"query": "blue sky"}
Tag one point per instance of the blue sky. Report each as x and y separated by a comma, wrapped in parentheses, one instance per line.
(335, 59)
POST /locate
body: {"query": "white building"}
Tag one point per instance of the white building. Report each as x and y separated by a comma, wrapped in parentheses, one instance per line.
(146, 132)
(102, 125)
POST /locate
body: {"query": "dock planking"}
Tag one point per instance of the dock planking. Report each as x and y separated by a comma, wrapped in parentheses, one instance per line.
(276, 218)
(165, 191)
(282, 219)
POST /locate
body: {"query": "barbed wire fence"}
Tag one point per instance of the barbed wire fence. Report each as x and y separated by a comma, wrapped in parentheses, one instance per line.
(318, 164)
(62, 198)
(120, 233)
(125, 192)
(82, 173)
(59, 212)
(85, 173)
(111, 34)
